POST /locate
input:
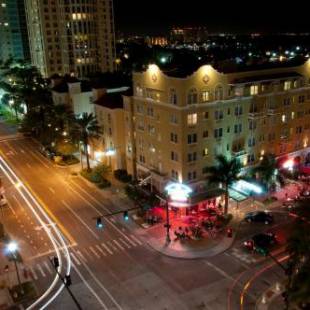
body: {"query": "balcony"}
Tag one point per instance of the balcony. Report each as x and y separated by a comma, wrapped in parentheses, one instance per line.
(255, 114)
(238, 153)
(272, 111)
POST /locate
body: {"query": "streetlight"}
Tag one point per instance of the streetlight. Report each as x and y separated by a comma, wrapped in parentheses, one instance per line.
(12, 248)
(178, 194)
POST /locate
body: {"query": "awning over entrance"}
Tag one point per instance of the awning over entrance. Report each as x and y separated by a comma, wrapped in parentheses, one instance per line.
(236, 196)
(199, 197)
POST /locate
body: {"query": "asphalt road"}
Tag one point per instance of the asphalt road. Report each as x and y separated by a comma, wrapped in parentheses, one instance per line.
(113, 268)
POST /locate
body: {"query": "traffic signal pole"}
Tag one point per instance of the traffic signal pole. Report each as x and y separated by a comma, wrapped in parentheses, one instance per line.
(66, 281)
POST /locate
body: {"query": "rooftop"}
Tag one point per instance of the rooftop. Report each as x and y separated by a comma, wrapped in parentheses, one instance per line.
(113, 100)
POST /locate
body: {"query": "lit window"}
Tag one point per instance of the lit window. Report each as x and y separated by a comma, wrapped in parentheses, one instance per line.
(287, 85)
(283, 118)
(205, 96)
(293, 115)
(254, 90)
(3, 5)
(205, 152)
(192, 119)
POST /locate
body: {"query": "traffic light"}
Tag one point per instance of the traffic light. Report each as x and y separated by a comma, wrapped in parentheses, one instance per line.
(126, 216)
(68, 280)
(99, 223)
(55, 261)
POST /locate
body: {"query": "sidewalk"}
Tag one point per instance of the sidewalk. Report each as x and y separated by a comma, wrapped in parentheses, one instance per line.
(189, 249)
(271, 299)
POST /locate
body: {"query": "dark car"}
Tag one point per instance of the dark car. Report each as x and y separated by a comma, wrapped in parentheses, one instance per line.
(262, 241)
(259, 216)
(47, 152)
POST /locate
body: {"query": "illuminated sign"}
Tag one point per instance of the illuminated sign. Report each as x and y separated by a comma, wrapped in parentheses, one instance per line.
(178, 192)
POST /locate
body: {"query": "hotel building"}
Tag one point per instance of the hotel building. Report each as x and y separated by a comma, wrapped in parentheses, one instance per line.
(177, 122)
(71, 37)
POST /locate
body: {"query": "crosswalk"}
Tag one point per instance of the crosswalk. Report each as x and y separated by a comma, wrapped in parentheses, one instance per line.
(93, 252)
(241, 254)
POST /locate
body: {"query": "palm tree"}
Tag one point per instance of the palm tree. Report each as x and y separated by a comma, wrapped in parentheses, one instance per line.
(87, 127)
(226, 171)
(267, 170)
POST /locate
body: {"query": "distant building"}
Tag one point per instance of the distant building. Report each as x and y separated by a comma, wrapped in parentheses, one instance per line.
(13, 31)
(161, 41)
(188, 35)
(70, 38)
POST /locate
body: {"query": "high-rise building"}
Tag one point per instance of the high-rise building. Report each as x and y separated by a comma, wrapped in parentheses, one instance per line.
(71, 37)
(13, 30)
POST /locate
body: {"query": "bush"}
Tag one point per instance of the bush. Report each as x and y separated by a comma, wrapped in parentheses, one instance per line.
(104, 183)
(122, 175)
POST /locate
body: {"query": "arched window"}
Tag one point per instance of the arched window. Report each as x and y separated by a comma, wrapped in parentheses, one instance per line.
(219, 93)
(139, 90)
(172, 96)
(205, 95)
(192, 97)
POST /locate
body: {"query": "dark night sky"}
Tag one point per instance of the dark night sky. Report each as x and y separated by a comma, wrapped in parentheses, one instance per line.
(155, 17)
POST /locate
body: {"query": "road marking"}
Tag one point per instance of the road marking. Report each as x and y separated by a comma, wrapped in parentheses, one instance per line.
(22, 151)
(17, 201)
(80, 219)
(106, 247)
(136, 239)
(120, 246)
(75, 259)
(126, 244)
(102, 286)
(41, 270)
(48, 267)
(28, 165)
(93, 250)
(219, 270)
(90, 288)
(81, 256)
(51, 190)
(238, 260)
(33, 273)
(100, 250)
(87, 254)
(113, 247)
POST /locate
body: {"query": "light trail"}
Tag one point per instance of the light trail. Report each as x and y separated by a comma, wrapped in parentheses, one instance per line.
(258, 273)
(22, 189)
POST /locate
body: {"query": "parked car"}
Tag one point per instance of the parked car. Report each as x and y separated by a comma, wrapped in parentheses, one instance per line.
(47, 152)
(259, 217)
(262, 241)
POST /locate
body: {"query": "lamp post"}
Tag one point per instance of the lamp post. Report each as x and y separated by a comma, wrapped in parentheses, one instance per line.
(12, 248)
(167, 225)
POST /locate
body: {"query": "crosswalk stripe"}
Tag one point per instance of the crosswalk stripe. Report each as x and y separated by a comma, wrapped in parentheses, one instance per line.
(120, 246)
(105, 246)
(126, 244)
(34, 273)
(130, 241)
(93, 250)
(136, 239)
(75, 259)
(41, 270)
(113, 247)
(88, 254)
(100, 250)
(81, 256)
(48, 267)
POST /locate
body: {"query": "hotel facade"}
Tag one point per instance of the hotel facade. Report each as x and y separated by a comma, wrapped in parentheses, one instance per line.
(176, 124)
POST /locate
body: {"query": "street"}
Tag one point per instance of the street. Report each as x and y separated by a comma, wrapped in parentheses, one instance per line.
(113, 268)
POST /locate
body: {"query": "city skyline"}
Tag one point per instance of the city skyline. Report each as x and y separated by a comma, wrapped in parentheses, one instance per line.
(266, 17)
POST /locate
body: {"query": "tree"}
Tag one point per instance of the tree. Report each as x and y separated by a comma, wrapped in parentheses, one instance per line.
(226, 171)
(87, 127)
(66, 148)
(267, 170)
(298, 247)
(23, 82)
